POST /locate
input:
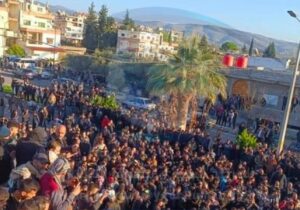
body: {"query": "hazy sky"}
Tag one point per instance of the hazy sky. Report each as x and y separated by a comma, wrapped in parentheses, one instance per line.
(266, 17)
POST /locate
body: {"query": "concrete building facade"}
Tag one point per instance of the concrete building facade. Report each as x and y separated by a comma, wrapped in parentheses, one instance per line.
(143, 44)
(3, 27)
(29, 24)
(39, 36)
(71, 27)
(267, 90)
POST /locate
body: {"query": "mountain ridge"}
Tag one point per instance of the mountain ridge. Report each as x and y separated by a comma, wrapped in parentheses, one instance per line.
(218, 35)
(170, 15)
(216, 31)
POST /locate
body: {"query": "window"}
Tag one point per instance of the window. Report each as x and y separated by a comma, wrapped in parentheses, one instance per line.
(41, 25)
(27, 22)
(40, 9)
(122, 34)
(50, 40)
(135, 36)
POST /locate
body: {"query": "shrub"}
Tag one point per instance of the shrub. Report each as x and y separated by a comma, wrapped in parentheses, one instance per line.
(7, 89)
(246, 139)
(108, 102)
(16, 50)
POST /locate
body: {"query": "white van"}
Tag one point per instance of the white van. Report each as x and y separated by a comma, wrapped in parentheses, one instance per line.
(26, 63)
(139, 103)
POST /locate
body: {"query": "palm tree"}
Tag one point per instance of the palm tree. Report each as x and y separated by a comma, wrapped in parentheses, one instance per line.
(191, 73)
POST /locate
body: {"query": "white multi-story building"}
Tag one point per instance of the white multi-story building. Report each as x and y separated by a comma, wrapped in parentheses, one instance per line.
(71, 27)
(40, 38)
(149, 45)
(3, 27)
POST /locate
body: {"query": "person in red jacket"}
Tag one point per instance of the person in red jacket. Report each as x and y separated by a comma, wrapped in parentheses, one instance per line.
(105, 122)
(51, 185)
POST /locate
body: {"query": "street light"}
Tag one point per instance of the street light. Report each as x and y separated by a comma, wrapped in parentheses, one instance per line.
(287, 111)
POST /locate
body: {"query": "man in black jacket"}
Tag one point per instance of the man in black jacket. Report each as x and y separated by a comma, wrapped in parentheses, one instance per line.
(25, 150)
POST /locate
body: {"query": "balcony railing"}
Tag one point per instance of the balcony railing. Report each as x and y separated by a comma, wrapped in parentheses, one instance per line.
(13, 2)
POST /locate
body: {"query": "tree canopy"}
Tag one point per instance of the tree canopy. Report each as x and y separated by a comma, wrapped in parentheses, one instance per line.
(251, 47)
(229, 46)
(100, 31)
(191, 73)
(270, 51)
(128, 23)
(16, 50)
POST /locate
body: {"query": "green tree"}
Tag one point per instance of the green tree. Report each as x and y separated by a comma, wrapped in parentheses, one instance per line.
(203, 42)
(244, 49)
(229, 46)
(270, 51)
(16, 50)
(128, 23)
(246, 140)
(251, 47)
(192, 72)
(102, 26)
(90, 29)
(170, 38)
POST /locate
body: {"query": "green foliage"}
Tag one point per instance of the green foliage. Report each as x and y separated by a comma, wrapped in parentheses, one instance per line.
(90, 29)
(229, 46)
(251, 47)
(128, 23)
(246, 139)
(7, 89)
(108, 102)
(107, 33)
(78, 62)
(270, 51)
(203, 42)
(16, 50)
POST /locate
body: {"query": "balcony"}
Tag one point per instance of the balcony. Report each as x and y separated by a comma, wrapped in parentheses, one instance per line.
(11, 34)
(40, 15)
(15, 2)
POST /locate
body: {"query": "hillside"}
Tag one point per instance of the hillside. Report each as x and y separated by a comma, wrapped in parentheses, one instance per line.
(170, 15)
(219, 35)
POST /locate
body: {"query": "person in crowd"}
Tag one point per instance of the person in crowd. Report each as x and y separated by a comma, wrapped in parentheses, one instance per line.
(36, 203)
(52, 185)
(89, 157)
(27, 190)
(36, 142)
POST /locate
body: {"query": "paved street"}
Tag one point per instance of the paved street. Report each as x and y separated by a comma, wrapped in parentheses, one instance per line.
(9, 75)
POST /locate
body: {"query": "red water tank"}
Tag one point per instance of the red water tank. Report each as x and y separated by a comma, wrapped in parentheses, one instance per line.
(228, 60)
(241, 62)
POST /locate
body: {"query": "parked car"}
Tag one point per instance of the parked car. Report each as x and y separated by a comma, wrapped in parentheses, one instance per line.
(26, 73)
(64, 80)
(26, 63)
(46, 75)
(139, 103)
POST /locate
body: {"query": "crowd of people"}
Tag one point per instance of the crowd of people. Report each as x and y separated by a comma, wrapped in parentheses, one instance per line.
(67, 154)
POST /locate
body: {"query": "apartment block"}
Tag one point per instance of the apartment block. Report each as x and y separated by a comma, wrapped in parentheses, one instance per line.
(29, 24)
(144, 44)
(39, 36)
(71, 27)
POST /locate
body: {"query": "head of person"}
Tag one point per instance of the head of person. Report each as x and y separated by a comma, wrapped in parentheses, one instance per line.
(36, 203)
(55, 146)
(39, 136)
(27, 189)
(61, 131)
(4, 196)
(4, 134)
(59, 168)
(14, 128)
(40, 161)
